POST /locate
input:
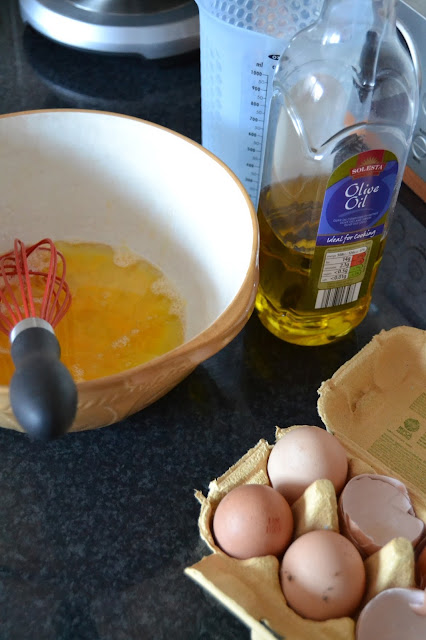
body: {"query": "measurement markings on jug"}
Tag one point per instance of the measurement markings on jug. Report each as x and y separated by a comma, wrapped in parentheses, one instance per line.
(256, 124)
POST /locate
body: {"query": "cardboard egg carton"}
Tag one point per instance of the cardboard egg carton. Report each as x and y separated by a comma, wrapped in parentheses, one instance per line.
(375, 404)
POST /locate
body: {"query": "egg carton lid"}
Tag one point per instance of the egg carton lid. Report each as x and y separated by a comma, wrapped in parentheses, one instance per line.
(375, 404)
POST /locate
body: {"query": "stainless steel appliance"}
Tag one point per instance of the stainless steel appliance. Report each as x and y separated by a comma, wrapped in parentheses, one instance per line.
(411, 15)
(151, 28)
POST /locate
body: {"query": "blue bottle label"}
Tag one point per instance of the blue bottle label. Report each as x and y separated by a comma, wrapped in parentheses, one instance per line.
(357, 200)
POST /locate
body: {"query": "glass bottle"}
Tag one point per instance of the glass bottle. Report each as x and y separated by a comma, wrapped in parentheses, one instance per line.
(342, 114)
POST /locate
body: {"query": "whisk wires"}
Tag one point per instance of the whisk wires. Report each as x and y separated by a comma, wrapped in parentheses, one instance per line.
(18, 275)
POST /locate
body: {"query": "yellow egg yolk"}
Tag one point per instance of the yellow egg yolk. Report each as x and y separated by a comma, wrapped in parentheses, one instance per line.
(124, 312)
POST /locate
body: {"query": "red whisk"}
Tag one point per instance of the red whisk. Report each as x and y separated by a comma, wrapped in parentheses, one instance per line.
(34, 297)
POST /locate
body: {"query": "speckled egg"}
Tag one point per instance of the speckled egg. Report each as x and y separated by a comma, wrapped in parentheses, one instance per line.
(322, 576)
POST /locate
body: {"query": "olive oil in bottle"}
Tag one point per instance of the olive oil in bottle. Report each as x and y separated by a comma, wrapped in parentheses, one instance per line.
(342, 115)
(285, 297)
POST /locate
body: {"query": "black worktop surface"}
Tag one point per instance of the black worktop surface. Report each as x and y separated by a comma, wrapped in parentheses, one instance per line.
(97, 527)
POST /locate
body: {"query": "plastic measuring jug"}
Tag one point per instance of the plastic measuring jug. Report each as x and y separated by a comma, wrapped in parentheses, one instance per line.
(241, 42)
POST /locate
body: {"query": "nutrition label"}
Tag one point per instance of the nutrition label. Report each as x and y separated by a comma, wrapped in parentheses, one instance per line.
(344, 265)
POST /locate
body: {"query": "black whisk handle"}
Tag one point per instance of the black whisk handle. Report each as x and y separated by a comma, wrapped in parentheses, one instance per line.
(42, 392)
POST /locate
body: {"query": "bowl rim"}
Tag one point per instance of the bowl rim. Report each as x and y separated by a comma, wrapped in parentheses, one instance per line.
(229, 316)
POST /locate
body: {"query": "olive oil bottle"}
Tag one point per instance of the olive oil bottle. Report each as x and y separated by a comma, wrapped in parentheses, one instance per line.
(342, 115)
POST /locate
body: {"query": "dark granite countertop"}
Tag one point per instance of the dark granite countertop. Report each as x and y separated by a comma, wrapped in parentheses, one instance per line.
(97, 528)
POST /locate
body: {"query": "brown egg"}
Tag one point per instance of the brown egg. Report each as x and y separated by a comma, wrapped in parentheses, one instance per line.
(253, 520)
(304, 455)
(322, 576)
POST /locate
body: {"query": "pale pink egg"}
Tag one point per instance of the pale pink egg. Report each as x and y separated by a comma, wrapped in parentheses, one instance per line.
(304, 455)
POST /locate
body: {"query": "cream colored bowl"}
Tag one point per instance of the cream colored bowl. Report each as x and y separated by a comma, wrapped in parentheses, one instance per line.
(94, 176)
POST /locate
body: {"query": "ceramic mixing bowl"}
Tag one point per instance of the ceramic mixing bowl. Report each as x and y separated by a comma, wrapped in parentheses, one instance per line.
(102, 177)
